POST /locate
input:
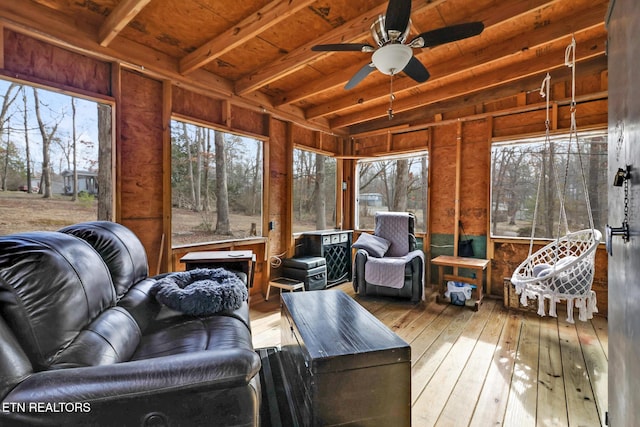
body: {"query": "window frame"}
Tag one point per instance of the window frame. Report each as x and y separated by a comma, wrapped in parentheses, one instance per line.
(337, 187)
(390, 156)
(562, 135)
(109, 206)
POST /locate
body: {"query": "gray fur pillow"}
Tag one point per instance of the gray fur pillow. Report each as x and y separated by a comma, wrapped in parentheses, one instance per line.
(201, 292)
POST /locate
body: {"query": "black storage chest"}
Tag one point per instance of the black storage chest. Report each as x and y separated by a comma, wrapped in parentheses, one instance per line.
(310, 270)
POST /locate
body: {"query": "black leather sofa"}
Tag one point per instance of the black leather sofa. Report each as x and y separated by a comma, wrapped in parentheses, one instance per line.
(84, 343)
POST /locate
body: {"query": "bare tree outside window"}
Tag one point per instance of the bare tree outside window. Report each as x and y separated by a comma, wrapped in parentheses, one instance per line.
(216, 185)
(392, 184)
(556, 165)
(314, 191)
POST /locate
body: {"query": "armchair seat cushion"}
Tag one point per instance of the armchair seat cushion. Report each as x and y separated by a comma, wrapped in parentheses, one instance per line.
(390, 271)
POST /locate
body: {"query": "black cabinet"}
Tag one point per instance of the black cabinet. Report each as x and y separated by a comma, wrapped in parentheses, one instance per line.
(335, 247)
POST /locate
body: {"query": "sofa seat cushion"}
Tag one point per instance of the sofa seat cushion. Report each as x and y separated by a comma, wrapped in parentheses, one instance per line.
(184, 334)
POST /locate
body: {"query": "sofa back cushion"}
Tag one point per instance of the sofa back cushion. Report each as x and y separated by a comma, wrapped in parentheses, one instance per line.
(111, 338)
(52, 286)
(120, 249)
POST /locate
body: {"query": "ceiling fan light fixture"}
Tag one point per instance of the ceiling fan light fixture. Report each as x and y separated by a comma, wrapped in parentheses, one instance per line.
(392, 58)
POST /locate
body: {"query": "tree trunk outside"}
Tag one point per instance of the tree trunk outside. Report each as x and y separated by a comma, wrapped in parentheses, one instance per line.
(105, 179)
(74, 147)
(401, 185)
(26, 140)
(425, 179)
(222, 199)
(45, 187)
(320, 199)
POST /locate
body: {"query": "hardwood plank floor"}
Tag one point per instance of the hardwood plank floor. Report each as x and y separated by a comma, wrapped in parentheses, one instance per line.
(490, 367)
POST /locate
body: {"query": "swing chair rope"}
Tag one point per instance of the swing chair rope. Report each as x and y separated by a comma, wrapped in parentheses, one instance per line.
(546, 274)
(545, 89)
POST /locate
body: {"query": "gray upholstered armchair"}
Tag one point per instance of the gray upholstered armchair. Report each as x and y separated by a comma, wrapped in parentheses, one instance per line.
(387, 263)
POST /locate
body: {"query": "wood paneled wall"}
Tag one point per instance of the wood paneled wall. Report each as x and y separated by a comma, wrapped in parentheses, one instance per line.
(516, 116)
(458, 141)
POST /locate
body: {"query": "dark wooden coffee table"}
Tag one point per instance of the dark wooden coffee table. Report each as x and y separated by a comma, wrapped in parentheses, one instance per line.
(342, 365)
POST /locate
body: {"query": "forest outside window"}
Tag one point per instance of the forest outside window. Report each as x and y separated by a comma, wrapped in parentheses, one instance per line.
(392, 184)
(55, 158)
(216, 185)
(314, 191)
(516, 168)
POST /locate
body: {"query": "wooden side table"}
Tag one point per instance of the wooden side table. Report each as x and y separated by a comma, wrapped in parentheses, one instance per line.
(244, 261)
(475, 264)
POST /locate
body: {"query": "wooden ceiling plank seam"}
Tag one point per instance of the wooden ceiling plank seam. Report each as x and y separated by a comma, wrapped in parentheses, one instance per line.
(119, 17)
(293, 61)
(464, 64)
(546, 62)
(254, 24)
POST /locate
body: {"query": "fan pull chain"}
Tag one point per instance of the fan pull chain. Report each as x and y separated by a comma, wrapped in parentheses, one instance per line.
(391, 97)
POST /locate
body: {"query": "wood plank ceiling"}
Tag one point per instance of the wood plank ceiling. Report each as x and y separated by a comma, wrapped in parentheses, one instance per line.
(258, 52)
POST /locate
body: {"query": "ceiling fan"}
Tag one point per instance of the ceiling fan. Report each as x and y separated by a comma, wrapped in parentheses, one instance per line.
(393, 55)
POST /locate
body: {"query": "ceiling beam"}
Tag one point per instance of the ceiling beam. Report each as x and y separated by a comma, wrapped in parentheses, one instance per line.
(421, 117)
(119, 17)
(555, 29)
(530, 63)
(353, 30)
(251, 26)
(58, 29)
(504, 13)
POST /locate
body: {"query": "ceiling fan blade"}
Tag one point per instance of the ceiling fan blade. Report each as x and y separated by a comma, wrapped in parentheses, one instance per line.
(416, 70)
(359, 76)
(343, 47)
(397, 15)
(447, 34)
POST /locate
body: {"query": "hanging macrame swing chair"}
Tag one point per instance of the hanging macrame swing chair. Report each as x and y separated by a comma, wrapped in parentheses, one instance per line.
(563, 269)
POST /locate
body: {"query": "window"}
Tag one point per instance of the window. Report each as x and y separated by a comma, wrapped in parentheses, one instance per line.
(216, 185)
(516, 168)
(52, 148)
(314, 191)
(392, 184)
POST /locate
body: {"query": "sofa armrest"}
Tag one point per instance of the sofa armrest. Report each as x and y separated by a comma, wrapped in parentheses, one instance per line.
(209, 370)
